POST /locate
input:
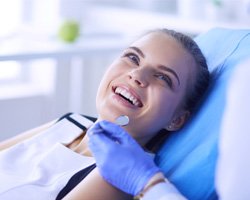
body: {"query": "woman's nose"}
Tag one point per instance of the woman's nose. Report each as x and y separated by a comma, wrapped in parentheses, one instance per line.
(139, 77)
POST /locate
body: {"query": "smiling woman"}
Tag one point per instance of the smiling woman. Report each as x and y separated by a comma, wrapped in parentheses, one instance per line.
(150, 83)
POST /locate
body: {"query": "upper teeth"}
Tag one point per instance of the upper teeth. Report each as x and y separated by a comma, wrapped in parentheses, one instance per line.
(127, 95)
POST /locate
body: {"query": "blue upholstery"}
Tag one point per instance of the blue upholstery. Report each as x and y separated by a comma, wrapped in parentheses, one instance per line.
(188, 158)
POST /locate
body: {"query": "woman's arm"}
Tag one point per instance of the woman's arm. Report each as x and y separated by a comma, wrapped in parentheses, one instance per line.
(25, 135)
(95, 188)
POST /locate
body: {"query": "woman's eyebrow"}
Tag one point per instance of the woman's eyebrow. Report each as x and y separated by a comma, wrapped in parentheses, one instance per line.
(162, 67)
(137, 50)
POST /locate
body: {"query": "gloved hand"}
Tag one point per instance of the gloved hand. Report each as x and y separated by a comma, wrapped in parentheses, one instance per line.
(121, 160)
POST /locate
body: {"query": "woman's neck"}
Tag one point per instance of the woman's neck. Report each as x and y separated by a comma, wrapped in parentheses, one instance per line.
(80, 145)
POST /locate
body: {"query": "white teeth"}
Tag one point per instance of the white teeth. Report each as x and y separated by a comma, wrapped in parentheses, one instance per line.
(127, 95)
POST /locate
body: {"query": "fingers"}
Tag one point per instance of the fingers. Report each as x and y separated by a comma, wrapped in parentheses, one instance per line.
(117, 132)
(112, 132)
(98, 130)
(100, 141)
(111, 128)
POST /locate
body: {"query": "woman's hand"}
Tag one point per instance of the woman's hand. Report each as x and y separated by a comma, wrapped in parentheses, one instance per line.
(121, 160)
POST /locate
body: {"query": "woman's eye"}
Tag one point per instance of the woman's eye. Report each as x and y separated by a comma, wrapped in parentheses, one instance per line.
(165, 78)
(133, 57)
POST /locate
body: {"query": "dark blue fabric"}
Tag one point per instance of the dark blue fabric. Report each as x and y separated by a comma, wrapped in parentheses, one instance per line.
(74, 181)
(188, 157)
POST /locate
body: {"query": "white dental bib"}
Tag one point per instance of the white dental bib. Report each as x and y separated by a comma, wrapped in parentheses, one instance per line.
(40, 167)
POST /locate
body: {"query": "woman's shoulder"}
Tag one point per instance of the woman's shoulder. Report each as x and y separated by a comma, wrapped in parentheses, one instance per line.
(61, 125)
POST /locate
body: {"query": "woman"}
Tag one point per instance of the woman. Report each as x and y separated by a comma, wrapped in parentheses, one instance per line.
(156, 82)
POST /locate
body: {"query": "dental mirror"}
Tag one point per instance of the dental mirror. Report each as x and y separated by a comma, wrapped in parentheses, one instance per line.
(122, 120)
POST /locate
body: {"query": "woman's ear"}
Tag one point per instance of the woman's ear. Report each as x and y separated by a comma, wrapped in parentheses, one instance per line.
(178, 121)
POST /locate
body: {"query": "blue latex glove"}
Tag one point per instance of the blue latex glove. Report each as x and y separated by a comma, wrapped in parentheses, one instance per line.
(121, 160)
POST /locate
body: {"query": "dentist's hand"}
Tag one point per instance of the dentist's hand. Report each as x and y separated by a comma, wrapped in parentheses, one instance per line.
(121, 160)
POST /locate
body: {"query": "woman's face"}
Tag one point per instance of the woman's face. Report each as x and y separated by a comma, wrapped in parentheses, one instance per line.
(148, 83)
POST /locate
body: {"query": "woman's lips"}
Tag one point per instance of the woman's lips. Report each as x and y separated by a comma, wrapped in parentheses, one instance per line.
(127, 96)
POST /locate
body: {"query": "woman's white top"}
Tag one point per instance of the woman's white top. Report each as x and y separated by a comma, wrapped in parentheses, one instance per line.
(40, 167)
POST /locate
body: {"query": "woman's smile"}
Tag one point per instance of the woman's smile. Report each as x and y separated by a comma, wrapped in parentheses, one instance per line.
(127, 96)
